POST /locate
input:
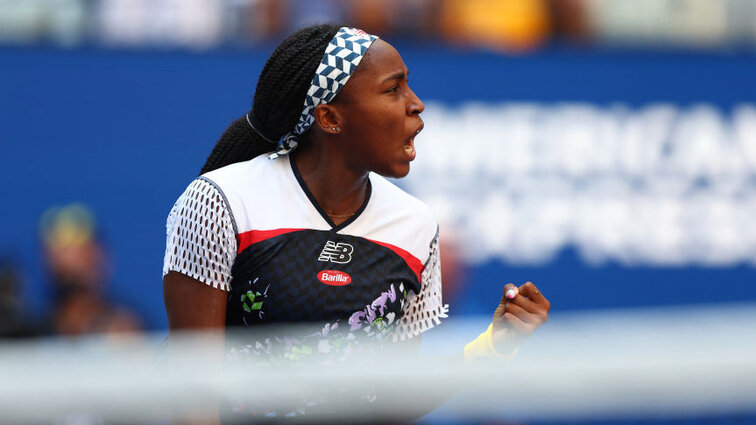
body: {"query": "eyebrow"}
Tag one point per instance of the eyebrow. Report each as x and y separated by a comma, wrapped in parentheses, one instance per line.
(396, 76)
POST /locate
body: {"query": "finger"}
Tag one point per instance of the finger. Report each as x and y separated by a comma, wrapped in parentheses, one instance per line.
(533, 293)
(518, 325)
(527, 304)
(509, 293)
(523, 315)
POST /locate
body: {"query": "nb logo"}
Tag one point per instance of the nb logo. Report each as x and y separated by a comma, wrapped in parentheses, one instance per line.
(336, 252)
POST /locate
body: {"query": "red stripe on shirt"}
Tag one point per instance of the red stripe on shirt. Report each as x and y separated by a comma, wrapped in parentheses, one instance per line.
(254, 236)
(413, 262)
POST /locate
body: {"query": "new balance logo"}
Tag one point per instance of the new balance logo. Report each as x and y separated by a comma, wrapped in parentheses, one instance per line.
(336, 252)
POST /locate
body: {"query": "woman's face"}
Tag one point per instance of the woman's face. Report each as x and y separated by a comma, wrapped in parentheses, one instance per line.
(381, 114)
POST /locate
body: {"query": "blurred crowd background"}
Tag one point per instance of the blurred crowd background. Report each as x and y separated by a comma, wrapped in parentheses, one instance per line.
(506, 25)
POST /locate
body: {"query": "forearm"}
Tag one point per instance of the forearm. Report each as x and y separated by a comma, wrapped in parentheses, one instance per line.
(196, 311)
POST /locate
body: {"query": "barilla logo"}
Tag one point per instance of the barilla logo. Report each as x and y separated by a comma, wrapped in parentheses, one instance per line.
(334, 278)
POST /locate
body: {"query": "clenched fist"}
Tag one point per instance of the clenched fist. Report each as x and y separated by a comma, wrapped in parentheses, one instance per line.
(521, 311)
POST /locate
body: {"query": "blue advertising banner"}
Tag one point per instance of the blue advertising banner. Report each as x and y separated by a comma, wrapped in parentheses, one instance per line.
(610, 179)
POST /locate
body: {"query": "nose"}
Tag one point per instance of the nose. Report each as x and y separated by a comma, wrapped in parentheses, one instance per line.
(415, 106)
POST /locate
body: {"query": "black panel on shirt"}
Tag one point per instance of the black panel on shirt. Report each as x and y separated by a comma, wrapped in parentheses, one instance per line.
(276, 280)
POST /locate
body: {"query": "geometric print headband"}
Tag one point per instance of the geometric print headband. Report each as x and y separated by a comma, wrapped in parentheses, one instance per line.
(341, 57)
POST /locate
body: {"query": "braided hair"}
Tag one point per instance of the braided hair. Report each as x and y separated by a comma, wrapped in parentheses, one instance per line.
(279, 97)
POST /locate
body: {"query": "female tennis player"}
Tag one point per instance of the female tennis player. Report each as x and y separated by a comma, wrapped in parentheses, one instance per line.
(293, 221)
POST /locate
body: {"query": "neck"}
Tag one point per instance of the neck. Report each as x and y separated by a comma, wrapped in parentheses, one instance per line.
(339, 189)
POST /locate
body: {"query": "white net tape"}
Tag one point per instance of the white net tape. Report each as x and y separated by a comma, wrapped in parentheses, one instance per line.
(578, 366)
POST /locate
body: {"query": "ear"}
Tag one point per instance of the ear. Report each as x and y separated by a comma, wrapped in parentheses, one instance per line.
(328, 119)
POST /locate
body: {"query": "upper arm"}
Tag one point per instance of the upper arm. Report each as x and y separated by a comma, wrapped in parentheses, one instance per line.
(200, 251)
(192, 304)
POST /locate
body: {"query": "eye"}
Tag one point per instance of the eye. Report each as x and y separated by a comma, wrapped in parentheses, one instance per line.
(393, 89)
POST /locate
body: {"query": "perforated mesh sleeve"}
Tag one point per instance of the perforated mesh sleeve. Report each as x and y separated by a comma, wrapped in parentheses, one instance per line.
(200, 237)
(425, 310)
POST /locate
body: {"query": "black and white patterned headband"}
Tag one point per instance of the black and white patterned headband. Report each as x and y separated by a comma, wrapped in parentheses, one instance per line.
(341, 57)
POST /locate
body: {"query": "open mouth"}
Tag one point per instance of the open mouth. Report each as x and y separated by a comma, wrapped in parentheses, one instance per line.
(409, 147)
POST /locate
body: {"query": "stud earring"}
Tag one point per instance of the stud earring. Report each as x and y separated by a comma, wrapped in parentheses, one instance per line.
(335, 129)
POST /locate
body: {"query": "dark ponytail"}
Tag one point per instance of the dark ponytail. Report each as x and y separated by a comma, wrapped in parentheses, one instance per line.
(279, 97)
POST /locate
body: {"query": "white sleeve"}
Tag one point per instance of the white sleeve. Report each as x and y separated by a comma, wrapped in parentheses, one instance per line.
(425, 310)
(200, 236)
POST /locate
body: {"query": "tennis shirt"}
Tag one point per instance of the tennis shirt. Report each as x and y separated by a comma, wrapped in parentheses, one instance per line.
(255, 230)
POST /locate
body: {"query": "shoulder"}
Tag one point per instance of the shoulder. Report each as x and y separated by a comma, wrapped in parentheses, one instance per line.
(242, 185)
(249, 184)
(235, 174)
(262, 194)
